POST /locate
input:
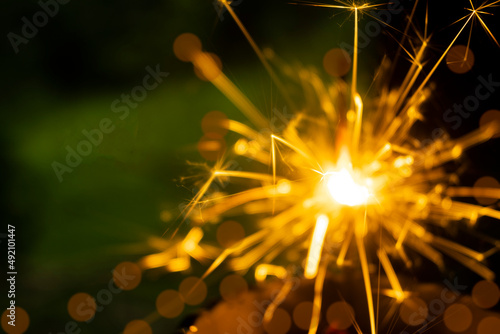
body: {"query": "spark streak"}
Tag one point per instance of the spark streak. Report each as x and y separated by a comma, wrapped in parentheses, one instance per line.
(316, 247)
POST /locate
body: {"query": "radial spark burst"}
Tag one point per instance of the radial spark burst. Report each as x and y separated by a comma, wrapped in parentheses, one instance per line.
(345, 183)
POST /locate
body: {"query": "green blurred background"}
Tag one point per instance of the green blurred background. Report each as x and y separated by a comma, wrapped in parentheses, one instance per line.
(71, 234)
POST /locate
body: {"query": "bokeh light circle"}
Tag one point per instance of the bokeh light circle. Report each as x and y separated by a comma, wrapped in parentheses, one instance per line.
(280, 323)
(82, 306)
(457, 318)
(460, 59)
(193, 290)
(137, 327)
(211, 146)
(127, 275)
(485, 294)
(229, 233)
(232, 287)
(486, 182)
(22, 321)
(413, 311)
(169, 304)
(302, 314)
(215, 122)
(339, 315)
(337, 62)
(489, 325)
(187, 46)
(488, 117)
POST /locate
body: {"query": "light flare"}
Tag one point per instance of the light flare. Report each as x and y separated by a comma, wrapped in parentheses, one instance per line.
(345, 190)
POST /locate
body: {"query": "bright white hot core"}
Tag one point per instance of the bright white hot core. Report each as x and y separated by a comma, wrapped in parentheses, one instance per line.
(345, 190)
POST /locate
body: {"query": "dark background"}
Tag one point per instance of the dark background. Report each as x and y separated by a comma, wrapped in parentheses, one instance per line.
(71, 234)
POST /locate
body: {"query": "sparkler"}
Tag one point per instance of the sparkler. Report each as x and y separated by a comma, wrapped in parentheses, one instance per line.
(340, 178)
